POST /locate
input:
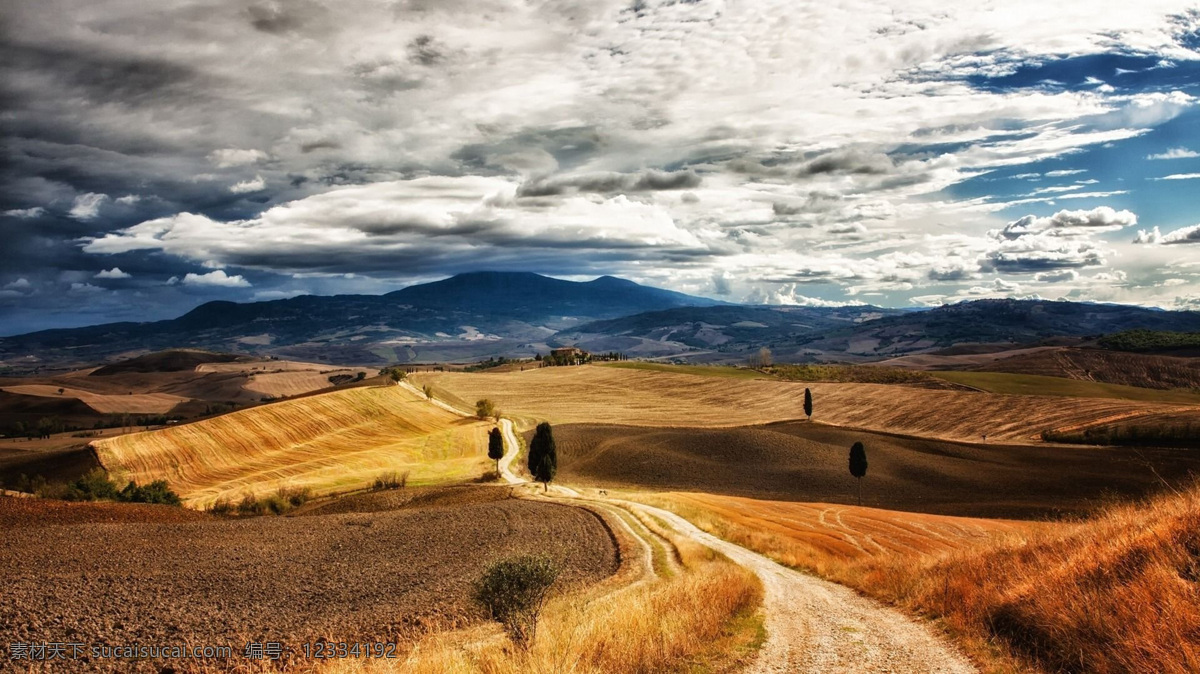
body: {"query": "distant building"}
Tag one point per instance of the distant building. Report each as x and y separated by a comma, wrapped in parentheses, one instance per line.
(568, 352)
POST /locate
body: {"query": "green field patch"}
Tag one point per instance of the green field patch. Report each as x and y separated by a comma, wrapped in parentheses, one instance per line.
(1040, 385)
(701, 370)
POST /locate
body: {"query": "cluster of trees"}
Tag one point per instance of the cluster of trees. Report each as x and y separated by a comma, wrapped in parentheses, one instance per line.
(562, 359)
(96, 485)
(44, 427)
(760, 359)
(1165, 434)
(864, 374)
(489, 364)
(395, 374)
(1150, 340)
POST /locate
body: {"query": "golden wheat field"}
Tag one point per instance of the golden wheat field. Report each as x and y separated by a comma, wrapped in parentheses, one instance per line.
(293, 383)
(597, 394)
(138, 403)
(844, 532)
(330, 442)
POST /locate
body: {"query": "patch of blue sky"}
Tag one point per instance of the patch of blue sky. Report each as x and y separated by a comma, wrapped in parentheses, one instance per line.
(1124, 72)
(1123, 167)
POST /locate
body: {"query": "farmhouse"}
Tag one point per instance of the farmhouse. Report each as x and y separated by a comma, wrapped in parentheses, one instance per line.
(568, 352)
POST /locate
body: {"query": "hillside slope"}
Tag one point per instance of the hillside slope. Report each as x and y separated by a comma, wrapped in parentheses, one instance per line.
(327, 442)
(801, 461)
(1100, 365)
(596, 394)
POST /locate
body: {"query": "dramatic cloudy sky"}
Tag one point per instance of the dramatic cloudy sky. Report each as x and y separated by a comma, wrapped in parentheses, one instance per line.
(161, 154)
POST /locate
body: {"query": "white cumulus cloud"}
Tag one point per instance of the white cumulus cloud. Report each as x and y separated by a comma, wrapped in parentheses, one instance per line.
(87, 206)
(228, 157)
(247, 186)
(215, 278)
(1175, 153)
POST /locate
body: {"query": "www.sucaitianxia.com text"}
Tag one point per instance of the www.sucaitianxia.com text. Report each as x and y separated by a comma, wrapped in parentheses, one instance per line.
(271, 650)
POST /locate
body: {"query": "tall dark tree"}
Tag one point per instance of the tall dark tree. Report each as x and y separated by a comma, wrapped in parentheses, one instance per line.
(808, 404)
(496, 448)
(858, 465)
(543, 455)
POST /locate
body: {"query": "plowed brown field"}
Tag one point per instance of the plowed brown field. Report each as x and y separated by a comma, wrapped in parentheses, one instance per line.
(386, 575)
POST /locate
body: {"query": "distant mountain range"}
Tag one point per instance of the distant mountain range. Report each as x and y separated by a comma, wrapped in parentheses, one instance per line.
(867, 333)
(483, 314)
(464, 317)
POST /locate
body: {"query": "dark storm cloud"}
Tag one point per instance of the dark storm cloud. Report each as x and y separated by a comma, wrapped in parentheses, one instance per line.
(424, 50)
(281, 17)
(568, 148)
(320, 145)
(102, 77)
(611, 183)
(849, 161)
(1029, 262)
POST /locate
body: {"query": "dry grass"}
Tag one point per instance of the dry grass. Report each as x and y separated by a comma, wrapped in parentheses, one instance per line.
(809, 535)
(692, 621)
(331, 442)
(594, 394)
(293, 383)
(1118, 593)
(139, 403)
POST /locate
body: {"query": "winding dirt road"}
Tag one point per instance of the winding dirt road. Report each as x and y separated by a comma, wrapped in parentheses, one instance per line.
(817, 626)
(510, 452)
(812, 625)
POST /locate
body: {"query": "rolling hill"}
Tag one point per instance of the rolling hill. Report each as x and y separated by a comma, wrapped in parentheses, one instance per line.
(598, 394)
(328, 442)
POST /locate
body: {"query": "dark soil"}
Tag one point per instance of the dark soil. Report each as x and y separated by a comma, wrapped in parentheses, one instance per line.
(799, 461)
(168, 361)
(64, 465)
(27, 409)
(373, 576)
(32, 513)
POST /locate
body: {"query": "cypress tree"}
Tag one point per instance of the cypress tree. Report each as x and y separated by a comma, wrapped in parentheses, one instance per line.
(496, 447)
(858, 465)
(543, 455)
(808, 403)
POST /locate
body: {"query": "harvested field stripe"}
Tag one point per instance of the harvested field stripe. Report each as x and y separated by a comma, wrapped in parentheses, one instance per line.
(329, 442)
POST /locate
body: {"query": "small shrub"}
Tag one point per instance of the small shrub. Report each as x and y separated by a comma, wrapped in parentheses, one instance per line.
(294, 496)
(94, 485)
(156, 492)
(390, 480)
(485, 408)
(514, 590)
(221, 506)
(29, 485)
(274, 504)
(250, 505)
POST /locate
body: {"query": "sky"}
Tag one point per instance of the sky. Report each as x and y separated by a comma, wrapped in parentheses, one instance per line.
(158, 155)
